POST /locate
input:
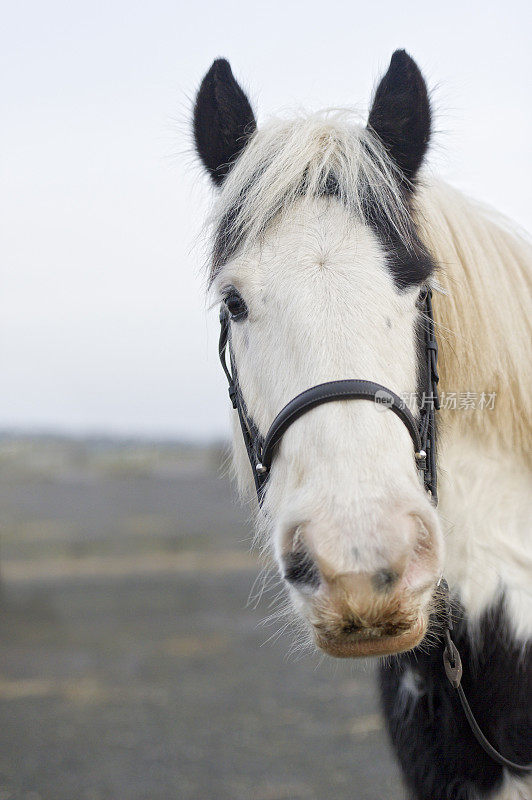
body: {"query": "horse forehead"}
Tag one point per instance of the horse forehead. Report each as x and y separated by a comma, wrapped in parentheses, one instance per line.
(318, 244)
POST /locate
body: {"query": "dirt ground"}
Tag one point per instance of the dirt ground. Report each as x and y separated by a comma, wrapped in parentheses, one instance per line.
(132, 666)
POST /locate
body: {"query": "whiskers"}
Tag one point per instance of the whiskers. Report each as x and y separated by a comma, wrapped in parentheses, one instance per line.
(269, 591)
(265, 581)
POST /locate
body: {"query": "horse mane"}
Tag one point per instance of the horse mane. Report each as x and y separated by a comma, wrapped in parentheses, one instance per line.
(482, 317)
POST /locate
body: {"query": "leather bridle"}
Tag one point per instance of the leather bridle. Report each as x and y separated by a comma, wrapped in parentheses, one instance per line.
(261, 451)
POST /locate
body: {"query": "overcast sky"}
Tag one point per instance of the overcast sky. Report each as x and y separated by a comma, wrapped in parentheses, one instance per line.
(103, 321)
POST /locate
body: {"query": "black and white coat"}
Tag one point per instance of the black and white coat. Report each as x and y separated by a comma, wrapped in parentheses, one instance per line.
(323, 234)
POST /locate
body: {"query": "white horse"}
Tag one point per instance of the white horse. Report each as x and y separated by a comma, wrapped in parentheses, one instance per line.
(324, 232)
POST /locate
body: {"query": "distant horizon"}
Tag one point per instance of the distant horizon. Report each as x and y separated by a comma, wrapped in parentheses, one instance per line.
(41, 434)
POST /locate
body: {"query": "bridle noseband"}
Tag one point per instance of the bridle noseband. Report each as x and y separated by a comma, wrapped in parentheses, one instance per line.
(261, 451)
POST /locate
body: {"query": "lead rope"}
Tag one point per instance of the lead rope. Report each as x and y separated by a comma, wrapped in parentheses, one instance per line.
(453, 669)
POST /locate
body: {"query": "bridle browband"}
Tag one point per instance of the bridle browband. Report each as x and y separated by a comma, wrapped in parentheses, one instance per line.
(261, 451)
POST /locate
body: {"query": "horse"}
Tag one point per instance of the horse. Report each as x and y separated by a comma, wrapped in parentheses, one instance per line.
(325, 229)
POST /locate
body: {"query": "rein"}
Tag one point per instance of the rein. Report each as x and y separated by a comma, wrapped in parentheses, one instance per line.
(261, 451)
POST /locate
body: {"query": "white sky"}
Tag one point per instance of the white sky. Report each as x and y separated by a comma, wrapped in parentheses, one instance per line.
(103, 322)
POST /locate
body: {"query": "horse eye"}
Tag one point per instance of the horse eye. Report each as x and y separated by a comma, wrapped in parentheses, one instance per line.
(235, 305)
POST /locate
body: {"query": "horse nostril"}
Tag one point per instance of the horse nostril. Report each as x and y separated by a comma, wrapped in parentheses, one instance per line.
(384, 580)
(300, 570)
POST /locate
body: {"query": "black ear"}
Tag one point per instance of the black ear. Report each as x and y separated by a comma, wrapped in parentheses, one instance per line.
(400, 115)
(223, 120)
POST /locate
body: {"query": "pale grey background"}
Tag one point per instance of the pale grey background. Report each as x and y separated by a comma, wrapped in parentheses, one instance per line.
(124, 670)
(102, 314)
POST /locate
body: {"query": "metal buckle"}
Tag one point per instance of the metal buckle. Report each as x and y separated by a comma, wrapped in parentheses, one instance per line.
(452, 662)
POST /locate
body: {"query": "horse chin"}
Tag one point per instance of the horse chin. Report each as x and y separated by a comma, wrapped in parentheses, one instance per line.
(363, 647)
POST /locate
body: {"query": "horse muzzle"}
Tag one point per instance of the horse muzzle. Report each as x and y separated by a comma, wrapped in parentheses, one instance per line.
(371, 642)
(371, 598)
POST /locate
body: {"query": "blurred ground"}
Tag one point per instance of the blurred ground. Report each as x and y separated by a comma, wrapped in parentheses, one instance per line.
(131, 667)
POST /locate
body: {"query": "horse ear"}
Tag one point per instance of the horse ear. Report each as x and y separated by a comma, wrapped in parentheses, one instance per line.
(400, 114)
(223, 120)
